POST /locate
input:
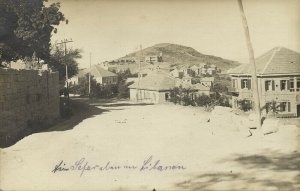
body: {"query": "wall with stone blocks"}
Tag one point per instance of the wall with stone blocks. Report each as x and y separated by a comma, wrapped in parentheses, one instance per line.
(27, 97)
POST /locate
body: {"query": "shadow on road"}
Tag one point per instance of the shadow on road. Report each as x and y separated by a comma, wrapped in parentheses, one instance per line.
(274, 166)
(81, 109)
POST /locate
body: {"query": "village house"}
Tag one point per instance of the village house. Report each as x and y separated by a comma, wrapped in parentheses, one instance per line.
(154, 58)
(203, 68)
(101, 76)
(278, 72)
(196, 69)
(187, 79)
(185, 70)
(202, 89)
(176, 73)
(195, 89)
(154, 88)
(208, 81)
(212, 70)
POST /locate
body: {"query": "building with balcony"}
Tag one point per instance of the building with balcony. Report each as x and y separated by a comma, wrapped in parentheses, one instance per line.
(278, 72)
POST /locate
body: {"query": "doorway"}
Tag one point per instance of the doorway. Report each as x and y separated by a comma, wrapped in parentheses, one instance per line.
(298, 110)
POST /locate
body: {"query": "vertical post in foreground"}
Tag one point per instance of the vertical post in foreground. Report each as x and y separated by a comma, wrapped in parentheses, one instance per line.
(90, 75)
(253, 65)
(138, 93)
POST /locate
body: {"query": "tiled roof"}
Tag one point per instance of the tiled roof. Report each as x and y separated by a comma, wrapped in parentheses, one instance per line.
(156, 80)
(279, 60)
(96, 71)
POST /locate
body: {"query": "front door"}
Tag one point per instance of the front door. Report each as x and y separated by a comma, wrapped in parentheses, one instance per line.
(298, 110)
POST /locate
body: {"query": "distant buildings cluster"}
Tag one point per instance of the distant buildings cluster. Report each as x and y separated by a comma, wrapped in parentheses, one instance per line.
(147, 59)
(201, 69)
(278, 73)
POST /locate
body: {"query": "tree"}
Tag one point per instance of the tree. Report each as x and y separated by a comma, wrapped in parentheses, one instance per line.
(82, 88)
(58, 61)
(122, 85)
(26, 27)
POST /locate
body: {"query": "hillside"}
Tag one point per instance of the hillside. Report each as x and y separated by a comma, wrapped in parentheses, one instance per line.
(182, 55)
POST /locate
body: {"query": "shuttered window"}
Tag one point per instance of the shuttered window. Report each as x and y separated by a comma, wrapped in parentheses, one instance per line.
(246, 84)
(285, 107)
(242, 84)
(249, 84)
(269, 85)
(292, 84)
(282, 84)
(288, 84)
(233, 83)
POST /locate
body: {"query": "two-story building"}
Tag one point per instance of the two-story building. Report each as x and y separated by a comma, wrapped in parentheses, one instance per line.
(154, 58)
(101, 76)
(278, 73)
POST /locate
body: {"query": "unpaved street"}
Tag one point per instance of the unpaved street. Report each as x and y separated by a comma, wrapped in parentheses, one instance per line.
(126, 146)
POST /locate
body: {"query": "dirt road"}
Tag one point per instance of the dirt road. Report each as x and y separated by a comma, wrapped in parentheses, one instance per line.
(126, 146)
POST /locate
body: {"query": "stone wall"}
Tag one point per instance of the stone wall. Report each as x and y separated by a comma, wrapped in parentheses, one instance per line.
(27, 98)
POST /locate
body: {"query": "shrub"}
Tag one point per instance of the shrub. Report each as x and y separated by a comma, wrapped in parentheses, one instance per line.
(245, 105)
(186, 97)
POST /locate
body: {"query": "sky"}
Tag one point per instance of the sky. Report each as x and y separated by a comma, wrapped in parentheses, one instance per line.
(111, 29)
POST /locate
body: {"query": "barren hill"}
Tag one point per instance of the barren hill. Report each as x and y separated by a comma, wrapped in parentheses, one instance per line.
(182, 55)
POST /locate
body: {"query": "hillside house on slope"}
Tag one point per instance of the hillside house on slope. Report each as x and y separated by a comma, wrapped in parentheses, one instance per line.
(278, 72)
(177, 73)
(101, 76)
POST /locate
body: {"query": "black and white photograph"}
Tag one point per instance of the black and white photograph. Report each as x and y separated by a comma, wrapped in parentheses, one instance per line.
(150, 95)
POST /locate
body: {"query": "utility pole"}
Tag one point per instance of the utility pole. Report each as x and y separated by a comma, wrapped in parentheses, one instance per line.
(64, 43)
(139, 74)
(90, 75)
(253, 65)
(140, 55)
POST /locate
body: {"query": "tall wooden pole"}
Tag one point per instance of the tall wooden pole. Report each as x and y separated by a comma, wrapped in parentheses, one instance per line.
(140, 55)
(138, 94)
(64, 42)
(90, 75)
(252, 63)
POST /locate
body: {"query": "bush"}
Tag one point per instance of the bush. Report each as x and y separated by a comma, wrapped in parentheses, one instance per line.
(203, 100)
(186, 97)
(245, 105)
(119, 90)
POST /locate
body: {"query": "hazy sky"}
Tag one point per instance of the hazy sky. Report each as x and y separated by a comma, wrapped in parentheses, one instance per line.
(111, 29)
